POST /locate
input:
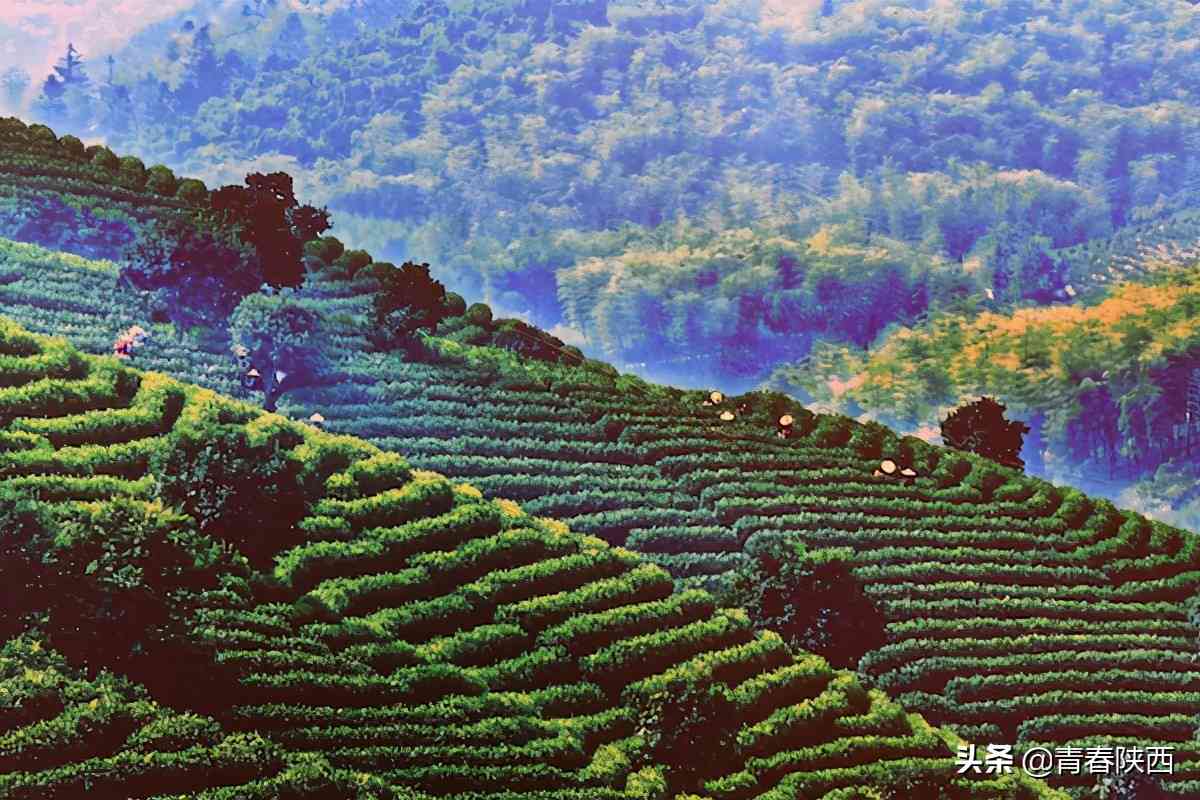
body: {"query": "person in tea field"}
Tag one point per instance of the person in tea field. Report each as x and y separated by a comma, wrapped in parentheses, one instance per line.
(252, 380)
(129, 341)
(251, 377)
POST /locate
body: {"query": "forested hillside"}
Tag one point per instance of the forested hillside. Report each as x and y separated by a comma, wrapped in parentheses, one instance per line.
(717, 172)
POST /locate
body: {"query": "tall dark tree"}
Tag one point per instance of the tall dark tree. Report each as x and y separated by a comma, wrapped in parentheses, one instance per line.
(982, 428)
(408, 300)
(197, 276)
(267, 217)
(691, 727)
(811, 598)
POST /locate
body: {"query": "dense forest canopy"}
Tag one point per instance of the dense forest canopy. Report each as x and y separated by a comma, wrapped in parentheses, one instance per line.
(540, 152)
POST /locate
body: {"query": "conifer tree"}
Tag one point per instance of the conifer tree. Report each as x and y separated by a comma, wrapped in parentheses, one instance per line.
(116, 111)
(70, 70)
(65, 91)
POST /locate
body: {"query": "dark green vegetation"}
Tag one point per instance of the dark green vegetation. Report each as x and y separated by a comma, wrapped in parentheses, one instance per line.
(981, 427)
(279, 336)
(535, 151)
(214, 602)
(813, 599)
(194, 254)
(65, 735)
(267, 217)
(408, 300)
(984, 578)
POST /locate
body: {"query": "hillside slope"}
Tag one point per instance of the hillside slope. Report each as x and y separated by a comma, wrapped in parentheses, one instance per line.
(83, 200)
(407, 632)
(986, 578)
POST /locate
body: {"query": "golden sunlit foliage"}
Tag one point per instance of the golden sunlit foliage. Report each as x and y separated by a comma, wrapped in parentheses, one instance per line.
(1115, 366)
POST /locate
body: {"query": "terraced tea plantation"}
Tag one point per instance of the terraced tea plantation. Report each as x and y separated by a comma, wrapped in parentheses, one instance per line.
(104, 737)
(1017, 612)
(1133, 252)
(64, 295)
(81, 199)
(411, 638)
